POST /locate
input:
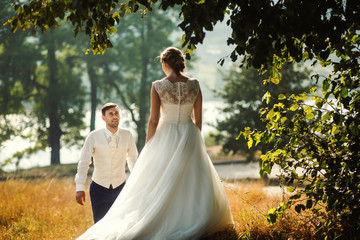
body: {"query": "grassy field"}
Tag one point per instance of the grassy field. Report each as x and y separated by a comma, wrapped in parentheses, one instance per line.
(45, 208)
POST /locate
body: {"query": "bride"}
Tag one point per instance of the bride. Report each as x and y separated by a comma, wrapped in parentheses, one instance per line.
(173, 191)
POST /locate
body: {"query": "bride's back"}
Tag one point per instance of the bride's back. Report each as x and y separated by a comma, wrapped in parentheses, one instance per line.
(177, 99)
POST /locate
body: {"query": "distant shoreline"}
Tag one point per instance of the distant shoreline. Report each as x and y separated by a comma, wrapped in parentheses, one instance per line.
(69, 170)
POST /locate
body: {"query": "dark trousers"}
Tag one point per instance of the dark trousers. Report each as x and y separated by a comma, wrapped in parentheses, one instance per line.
(102, 199)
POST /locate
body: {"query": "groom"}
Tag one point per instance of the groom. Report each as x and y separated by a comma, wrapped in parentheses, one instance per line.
(109, 147)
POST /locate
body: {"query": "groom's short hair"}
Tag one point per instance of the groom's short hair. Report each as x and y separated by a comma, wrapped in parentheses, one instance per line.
(106, 106)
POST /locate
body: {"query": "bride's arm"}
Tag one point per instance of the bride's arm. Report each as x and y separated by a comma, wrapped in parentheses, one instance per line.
(154, 114)
(198, 110)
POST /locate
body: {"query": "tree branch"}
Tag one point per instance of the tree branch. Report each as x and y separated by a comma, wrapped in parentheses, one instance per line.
(127, 106)
(122, 97)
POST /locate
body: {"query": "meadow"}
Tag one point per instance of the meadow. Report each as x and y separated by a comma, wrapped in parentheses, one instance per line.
(45, 208)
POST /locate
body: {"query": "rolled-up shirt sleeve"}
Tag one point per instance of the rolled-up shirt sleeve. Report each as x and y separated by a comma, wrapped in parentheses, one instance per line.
(132, 153)
(84, 163)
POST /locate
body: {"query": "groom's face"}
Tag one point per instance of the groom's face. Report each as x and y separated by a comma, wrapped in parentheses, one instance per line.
(111, 117)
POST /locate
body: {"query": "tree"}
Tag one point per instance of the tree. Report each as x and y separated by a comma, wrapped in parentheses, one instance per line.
(41, 90)
(324, 136)
(125, 73)
(94, 79)
(60, 97)
(138, 42)
(242, 93)
(114, 70)
(94, 67)
(18, 58)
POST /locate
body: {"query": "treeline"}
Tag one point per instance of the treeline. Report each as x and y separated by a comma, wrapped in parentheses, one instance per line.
(49, 81)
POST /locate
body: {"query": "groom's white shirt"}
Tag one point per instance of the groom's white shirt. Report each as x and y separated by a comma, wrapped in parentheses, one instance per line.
(109, 163)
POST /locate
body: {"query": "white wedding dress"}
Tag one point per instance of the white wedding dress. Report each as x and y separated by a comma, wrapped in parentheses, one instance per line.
(173, 191)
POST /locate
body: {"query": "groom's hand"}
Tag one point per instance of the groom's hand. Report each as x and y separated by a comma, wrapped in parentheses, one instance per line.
(80, 197)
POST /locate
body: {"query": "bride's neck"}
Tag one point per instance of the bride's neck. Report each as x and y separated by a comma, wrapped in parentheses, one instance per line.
(175, 77)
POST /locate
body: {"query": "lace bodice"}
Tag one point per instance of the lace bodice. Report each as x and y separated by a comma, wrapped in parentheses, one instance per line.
(177, 99)
(178, 92)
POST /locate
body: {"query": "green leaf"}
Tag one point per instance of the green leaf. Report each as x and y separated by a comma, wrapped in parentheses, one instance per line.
(281, 97)
(344, 92)
(309, 112)
(272, 216)
(250, 141)
(265, 168)
(342, 80)
(262, 111)
(319, 102)
(290, 189)
(326, 85)
(334, 129)
(266, 97)
(326, 116)
(355, 39)
(301, 97)
(275, 80)
(312, 90)
(294, 107)
(112, 30)
(116, 15)
(258, 138)
(238, 137)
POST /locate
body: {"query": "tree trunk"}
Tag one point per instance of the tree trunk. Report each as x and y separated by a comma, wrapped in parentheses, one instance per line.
(54, 129)
(143, 107)
(93, 87)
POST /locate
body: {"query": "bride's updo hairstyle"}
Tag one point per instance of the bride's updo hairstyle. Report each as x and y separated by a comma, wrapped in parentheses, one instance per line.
(174, 58)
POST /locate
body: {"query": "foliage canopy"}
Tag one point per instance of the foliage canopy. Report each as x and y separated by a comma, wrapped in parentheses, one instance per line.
(34, 78)
(242, 93)
(42, 97)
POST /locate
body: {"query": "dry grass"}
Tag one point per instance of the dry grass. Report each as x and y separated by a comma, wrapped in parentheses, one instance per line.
(250, 204)
(46, 209)
(42, 209)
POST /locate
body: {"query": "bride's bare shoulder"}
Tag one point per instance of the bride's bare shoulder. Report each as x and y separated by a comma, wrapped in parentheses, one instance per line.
(158, 81)
(193, 80)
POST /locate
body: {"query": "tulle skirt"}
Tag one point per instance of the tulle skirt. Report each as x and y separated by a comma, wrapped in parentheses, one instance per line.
(172, 193)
